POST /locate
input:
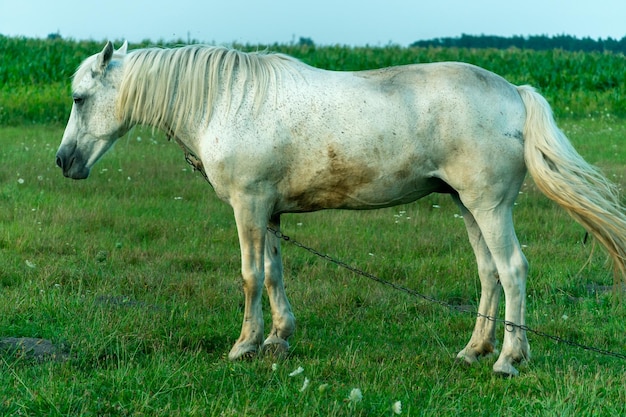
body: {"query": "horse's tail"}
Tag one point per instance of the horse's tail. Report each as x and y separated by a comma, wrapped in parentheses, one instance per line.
(565, 177)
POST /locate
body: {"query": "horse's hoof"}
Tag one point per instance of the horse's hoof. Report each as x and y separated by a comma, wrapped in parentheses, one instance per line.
(505, 370)
(276, 347)
(243, 352)
(466, 358)
(470, 355)
(248, 356)
(464, 361)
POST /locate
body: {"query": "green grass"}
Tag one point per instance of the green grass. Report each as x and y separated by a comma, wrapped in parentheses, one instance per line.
(35, 74)
(136, 272)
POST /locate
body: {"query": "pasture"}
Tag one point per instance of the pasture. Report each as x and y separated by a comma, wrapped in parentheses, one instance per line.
(135, 272)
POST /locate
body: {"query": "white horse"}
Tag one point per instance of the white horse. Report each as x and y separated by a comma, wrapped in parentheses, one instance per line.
(275, 136)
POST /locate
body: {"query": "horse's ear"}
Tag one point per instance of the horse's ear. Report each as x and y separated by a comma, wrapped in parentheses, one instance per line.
(103, 59)
(123, 49)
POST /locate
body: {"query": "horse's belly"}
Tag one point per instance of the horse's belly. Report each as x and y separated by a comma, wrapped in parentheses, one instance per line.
(358, 193)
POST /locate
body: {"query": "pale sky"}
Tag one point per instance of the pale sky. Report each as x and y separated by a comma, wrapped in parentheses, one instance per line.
(326, 22)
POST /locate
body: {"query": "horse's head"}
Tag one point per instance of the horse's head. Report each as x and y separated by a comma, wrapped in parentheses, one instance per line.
(93, 125)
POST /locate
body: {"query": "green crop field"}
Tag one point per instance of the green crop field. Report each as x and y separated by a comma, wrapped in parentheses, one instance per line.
(134, 273)
(35, 74)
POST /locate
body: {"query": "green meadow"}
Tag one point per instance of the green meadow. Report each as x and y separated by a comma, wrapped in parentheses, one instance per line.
(133, 274)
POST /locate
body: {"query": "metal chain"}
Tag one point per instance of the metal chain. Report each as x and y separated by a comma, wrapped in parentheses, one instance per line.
(195, 162)
(507, 324)
(190, 157)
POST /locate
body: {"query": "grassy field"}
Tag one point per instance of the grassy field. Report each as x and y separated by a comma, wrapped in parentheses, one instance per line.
(135, 273)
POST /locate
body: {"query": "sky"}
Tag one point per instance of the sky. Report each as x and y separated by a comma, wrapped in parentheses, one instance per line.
(325, 22)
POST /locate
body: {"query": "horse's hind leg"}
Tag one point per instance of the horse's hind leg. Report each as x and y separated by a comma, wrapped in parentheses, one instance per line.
(496, 225)
(283, 321)
(483, 340)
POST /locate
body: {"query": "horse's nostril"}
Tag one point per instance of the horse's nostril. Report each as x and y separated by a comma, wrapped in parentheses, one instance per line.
(59, 161)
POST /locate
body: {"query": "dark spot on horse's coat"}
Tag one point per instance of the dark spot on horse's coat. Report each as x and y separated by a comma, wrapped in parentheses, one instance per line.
(403, 174)
(334, 186)
(518, 134)
(481, 74)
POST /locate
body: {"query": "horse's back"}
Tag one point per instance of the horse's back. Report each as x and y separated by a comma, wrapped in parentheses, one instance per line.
(413, 100)
(428, 121)
(377, 138)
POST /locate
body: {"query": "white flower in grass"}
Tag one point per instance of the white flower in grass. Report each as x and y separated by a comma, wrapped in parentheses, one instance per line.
(20, 180)
(355, 396)
(397, 407)
(30, 264)
(305, 384)
(298, 371)
(274, 367)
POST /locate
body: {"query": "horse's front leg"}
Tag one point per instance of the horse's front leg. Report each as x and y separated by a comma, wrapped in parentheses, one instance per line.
(283, 320)
(251, 228)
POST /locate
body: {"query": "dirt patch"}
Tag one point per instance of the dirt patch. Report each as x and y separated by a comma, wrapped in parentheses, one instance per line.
(32, 348)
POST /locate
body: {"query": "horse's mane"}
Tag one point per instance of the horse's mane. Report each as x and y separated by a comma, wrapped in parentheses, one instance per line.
(165, 88)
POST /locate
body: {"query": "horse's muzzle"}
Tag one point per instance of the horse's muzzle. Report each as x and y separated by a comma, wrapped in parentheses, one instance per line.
(72, 166)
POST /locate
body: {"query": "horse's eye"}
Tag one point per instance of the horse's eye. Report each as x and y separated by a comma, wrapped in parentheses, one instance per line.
(78, 100)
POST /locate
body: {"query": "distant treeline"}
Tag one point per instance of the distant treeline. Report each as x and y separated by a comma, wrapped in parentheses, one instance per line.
(537, 43)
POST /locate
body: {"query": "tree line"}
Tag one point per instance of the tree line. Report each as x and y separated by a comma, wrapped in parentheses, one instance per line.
(535, 42)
